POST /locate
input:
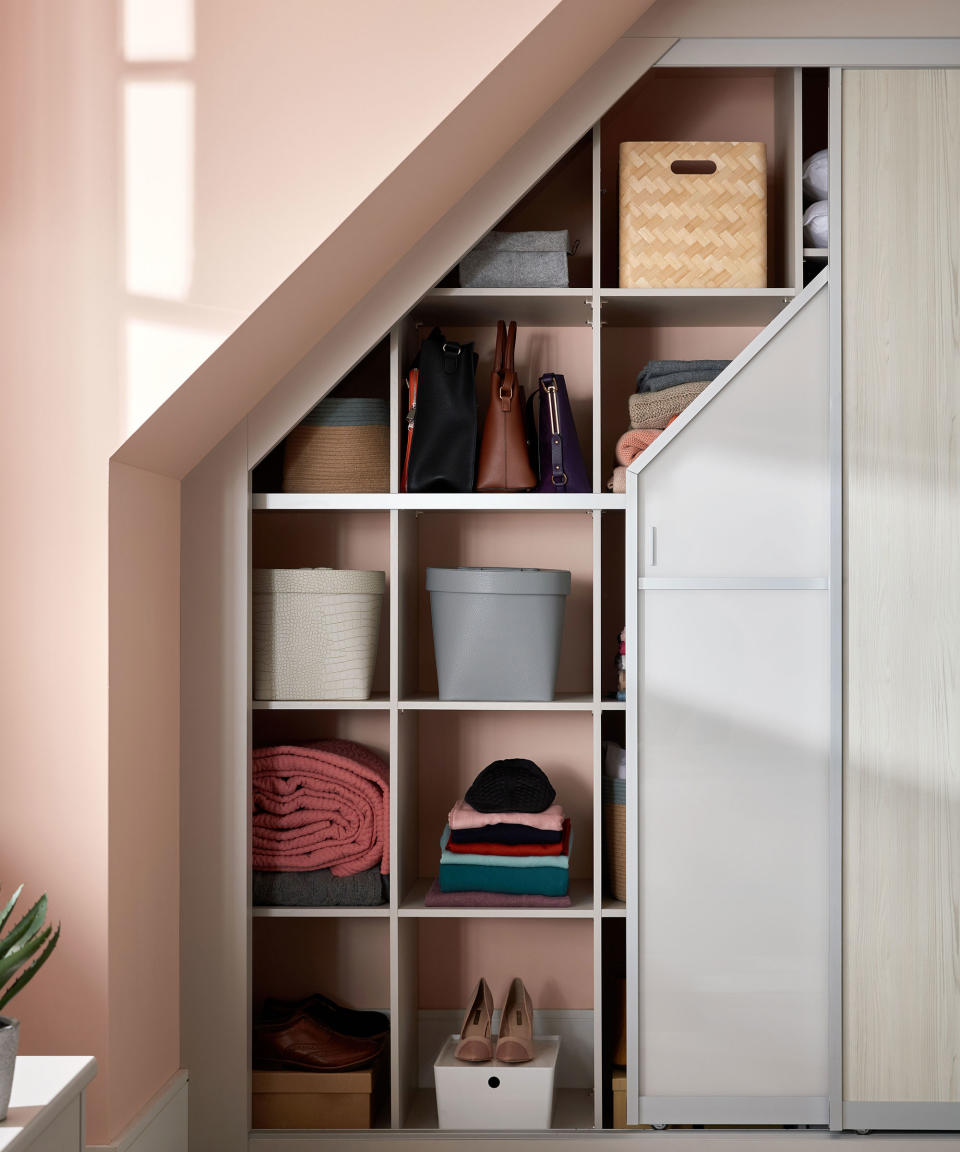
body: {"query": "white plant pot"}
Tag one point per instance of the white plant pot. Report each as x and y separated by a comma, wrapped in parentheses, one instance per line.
(9, 1042)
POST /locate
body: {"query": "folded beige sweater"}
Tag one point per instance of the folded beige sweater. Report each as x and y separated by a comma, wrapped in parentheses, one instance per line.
(657, 409)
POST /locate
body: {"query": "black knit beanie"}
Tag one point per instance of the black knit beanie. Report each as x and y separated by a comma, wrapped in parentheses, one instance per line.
(511, 786)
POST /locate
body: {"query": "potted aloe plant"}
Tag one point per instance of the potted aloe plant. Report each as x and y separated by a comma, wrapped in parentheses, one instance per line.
(23, 942)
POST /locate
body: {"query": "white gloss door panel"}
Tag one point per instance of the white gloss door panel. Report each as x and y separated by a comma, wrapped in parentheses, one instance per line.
(733, 712)
(745, 488)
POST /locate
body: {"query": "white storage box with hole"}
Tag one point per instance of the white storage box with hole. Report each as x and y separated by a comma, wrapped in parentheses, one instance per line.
(479, 1097)
(497, 631)
(315, 633)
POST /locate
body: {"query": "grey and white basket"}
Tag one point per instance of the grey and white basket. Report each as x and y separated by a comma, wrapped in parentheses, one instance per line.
(315, 633)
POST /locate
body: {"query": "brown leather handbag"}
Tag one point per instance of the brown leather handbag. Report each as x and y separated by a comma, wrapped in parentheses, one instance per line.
(504, 460)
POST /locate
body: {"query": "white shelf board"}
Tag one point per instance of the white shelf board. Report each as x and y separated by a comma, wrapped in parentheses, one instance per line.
(581, 906)
(613, 909)
(572, 1111)
(815, 253)
(533, 307)
(613, 705)
(377, 910)
(564, 702)
(379, 700)
(438, 501)
(692, 307)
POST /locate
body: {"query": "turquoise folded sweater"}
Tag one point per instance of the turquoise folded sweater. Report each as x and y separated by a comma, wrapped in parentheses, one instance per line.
(491, 860)
(518, 881)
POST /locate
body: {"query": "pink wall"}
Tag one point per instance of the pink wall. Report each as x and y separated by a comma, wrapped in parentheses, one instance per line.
(143, 958)
(108, 301)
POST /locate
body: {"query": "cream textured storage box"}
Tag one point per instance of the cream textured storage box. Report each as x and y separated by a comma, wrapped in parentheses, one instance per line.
(315, 633)
(682, 227)
(477, 1097)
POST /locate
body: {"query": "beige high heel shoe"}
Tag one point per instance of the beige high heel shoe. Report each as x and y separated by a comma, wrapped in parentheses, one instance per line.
(476, 1043)
(515, 1042)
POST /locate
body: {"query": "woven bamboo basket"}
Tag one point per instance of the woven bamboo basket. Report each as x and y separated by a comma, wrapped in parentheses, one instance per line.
(614, 798)
(343, 445)
(315, 633)
(683, 229)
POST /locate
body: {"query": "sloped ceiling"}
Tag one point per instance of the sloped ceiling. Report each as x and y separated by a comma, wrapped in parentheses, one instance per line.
(382, 229)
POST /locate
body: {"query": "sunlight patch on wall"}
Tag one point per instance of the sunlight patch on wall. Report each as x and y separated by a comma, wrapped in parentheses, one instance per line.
(158, 31)
(158, 183)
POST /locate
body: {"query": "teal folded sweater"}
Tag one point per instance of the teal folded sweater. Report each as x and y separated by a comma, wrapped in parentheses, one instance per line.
(491, 860)
(499, 878)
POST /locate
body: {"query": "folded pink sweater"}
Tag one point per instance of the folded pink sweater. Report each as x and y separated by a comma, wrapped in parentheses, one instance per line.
(462, 815)
(632, 443)
(325, 805)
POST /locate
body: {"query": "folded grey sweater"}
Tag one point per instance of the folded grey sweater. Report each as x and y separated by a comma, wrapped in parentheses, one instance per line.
(319, 889)
(660, 374)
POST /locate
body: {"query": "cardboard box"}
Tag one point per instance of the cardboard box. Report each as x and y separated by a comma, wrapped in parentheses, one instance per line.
(318, 1099)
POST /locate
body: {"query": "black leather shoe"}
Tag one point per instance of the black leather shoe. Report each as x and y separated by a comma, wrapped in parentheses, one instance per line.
(346, 1021)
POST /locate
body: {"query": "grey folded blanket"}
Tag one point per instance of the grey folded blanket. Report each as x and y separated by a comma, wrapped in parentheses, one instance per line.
(660, 374)
(319, 889)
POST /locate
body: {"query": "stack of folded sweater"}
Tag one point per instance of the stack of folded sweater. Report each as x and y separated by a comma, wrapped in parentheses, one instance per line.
(320, 825)
(664, 389)
(506, 844)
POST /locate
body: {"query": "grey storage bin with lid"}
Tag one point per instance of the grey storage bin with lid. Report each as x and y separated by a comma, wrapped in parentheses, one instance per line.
(497, 631)
(315, 633)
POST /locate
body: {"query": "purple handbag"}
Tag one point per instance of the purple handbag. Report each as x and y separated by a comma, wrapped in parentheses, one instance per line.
(561, 465)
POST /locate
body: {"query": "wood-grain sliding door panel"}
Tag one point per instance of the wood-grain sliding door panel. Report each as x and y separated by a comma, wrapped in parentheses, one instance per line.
(901, 414)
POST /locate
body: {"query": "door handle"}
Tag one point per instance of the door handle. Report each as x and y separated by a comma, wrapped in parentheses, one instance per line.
(650, 558)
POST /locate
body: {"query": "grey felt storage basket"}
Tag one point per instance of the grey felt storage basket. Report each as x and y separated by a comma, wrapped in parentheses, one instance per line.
(517, 260)
(315, 633)
(497, 631)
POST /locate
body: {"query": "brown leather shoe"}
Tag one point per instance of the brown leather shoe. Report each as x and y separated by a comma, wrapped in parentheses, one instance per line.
(304, 1044)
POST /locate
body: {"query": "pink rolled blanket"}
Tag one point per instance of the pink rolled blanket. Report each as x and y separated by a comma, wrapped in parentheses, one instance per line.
(632, 443)
(464, 815)
(324, 805)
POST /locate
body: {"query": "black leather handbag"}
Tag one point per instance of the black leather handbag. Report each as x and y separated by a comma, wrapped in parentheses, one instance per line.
(441, 453)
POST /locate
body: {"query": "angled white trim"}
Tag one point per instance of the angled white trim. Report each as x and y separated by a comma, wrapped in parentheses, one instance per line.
(730, 372)
(814, 52)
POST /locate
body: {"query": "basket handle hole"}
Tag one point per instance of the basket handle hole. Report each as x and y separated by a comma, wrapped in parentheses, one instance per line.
(494, 1081)
(693, 167)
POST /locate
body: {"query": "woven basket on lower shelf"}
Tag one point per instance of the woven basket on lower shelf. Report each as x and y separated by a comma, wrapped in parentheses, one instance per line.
(613, 793)
(315, 633)
(342, 445)
(682, 226)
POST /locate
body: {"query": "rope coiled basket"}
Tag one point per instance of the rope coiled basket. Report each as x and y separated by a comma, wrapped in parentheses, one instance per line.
(315, 633)
(613, 794)
(342, 445)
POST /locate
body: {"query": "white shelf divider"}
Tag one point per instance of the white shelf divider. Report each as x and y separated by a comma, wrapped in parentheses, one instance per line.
(437, 501)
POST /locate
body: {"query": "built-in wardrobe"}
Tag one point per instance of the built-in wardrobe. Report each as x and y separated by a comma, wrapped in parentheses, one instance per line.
(784, 563)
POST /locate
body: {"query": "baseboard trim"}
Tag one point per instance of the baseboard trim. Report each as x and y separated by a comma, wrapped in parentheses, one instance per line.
(160, 1126)
(902, 1115)
(733, 1110)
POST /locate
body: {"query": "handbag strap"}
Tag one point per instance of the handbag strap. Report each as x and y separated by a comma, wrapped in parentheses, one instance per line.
(498, 354)
(550, 384)
(511, 345)
(504, 373)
